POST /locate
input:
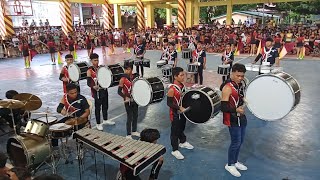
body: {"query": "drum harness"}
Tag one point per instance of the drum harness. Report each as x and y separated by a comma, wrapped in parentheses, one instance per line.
(197, 57)
(239, 95)
(170, 62)
(227, 56)
(180, 91)
(70, 106)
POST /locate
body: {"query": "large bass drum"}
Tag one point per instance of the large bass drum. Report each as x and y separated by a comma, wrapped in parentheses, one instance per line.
(78, 71)
(109, 76)
(204, 103)
(147, 91)
(272, 96)
(27, 152)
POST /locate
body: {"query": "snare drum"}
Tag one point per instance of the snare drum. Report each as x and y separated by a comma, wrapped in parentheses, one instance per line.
(60, 130)
(272, 96)
(27, 152)
(109, 76)
(193, 68)
(128, 62)
(186, 53)
(224, 69)
(48, 120)
(204, 102)
(146, 63)
(249, 67)
(35, 128)
(137, 62)
(255, 67)
(276, 69)
(161, 63)
(167, 71)
(147, 91)
(78, 71)
(265, 69)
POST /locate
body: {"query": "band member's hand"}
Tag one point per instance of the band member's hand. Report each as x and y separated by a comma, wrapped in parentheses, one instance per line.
(253, 62)
(240, 110)
(161, 160)
(182, 109)
(225, 62)
(64, 112)
(95, 87)
(204, 66)
(65, 79)
(127, 99)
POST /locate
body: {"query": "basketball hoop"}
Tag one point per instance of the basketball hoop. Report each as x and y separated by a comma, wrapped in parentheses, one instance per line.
(18, 8)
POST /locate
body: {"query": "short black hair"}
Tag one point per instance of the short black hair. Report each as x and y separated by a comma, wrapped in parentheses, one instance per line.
(48, 177)
(21, 173)
(172, 43)
(68, 56)
(94, 56)
(176, 71)
(71, 86)
(128, 65)
(239, 67)
(269, 39)
(11, 93)
(149, 135)
(3, 159)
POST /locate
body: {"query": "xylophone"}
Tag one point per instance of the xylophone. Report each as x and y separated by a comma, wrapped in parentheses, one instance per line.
(136, 155)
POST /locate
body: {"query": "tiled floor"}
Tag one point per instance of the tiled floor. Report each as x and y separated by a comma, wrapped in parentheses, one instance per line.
(288, 148)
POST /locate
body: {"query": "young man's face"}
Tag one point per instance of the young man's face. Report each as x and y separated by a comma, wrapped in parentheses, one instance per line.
(128, 70)
(180, 77)
(237, 76)
(95, 62)
(73, 93)
(69, 61)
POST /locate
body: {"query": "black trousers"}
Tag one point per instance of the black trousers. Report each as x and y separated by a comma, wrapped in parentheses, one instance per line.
(104, 102)
(142, 70)
(224, 78)
(132, 116)
(199, 74)
(177, 131)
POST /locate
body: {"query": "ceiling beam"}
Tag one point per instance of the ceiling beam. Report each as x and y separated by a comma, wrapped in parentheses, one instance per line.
(236, 2)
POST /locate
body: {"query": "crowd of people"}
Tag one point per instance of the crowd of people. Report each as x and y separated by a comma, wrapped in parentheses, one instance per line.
(214, 38)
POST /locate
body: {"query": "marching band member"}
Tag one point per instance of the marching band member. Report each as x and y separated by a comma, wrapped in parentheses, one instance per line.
(178, 121)
(165, 50)
(139, 51)
(72, 105)
(151, 136)
(89, 46)
(103, 44)
(99, 94)
(26, 55)
(234, 117)
(52, 50)
(192, 42)
(201, 59)
(124, 90)
(227, 58)
(64, 75)
(70, 44)
(111, 43)
(268, 55)
(172, 55)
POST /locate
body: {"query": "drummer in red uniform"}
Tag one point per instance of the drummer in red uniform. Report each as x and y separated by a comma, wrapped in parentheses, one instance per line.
(124, 90)
(178, 121)
(234, 117)
(70, 45)
(227, 58)
(103, 40)
(26, 54)
(64, 75)
(52, 50)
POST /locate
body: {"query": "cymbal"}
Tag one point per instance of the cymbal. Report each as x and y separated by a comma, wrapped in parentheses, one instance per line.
(41, 113)
(11, 104)
(76, 121)
(31, 102)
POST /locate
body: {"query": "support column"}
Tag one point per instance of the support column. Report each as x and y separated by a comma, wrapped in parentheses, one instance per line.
(229, 13)
(117, 16)
(168, 16)
(6, 25)
(150, 15)
(140, 15)
(182, 14)
(66, 18)
(107, 15)
(81, 13)
(196, 13)
(189, 13)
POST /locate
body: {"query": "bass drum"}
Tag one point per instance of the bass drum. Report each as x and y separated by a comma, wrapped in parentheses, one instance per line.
(148, 91)
(78, 71)
(204, 103)
(27, 152)
(109, 76)
(272, 96)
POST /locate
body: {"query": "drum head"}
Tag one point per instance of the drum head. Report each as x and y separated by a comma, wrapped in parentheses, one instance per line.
(269, 97)
(141, 92)
(201, 106)
(74, 72)
(104, 75)
(60, 127)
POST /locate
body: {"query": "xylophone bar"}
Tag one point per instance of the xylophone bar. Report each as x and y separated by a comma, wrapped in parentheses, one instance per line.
(136, 155)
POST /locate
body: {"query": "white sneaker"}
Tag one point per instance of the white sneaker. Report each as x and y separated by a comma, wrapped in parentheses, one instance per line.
(232, 170)
(177, 154)
(128, 137)
(135, 134)
(186, 145)
(108, 122)
(100, 127)
(240, 166)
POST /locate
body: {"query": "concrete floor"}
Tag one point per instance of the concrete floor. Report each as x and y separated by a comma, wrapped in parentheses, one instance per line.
(288, 148)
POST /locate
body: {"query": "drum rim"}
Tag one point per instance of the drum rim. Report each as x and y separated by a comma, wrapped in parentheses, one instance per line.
(23, 146)
(104, 67)
(212, 110)
(290, 87)
(61, 129)
(79, 72)
(56, 119)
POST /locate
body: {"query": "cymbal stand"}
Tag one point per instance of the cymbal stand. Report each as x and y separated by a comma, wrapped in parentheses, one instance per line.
(13, 122)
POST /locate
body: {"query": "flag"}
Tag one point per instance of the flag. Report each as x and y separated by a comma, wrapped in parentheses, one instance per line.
(59, 58)
(237, 51)
(32, 54)
(178, 47)
(75, 56)
(283, 52)
(302, 53)
(259, 48)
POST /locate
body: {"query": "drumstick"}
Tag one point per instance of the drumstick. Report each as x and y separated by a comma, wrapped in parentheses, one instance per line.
(186, 110)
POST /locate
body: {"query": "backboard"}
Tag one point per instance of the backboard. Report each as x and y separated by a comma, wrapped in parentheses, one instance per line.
(19, 8)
